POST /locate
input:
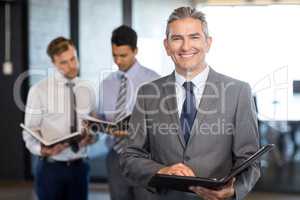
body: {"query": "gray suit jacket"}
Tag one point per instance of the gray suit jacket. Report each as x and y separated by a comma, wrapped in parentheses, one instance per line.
(223, 135)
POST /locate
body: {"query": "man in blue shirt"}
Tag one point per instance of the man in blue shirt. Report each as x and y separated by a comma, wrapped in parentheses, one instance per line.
(116, 100)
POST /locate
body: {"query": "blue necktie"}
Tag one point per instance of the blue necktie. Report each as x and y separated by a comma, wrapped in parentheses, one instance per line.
(189, 110)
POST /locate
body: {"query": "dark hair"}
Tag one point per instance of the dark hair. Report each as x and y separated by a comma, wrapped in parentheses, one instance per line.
(124, 35)
(58, 46)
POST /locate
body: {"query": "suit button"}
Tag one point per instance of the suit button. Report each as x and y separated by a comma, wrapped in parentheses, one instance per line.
(187, 158)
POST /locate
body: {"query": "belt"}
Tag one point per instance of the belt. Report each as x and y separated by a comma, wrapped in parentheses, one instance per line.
(66, 163)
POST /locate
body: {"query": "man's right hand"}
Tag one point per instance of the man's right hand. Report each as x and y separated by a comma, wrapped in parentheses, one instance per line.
(116, 133)
(119, 133)
(178, 169)
(53, 150)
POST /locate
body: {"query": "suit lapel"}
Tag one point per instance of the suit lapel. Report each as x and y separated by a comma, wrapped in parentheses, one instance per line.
(171, 103)
(207, 104)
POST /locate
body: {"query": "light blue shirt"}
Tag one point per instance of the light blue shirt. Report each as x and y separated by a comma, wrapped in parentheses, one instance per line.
(109, 89)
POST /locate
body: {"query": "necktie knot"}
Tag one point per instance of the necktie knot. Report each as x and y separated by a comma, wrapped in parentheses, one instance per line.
(123, 77)
(70, 84)
(188, 86)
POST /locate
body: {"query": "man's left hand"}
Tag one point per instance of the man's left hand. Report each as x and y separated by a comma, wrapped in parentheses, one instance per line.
(208, 194)
(87, 138)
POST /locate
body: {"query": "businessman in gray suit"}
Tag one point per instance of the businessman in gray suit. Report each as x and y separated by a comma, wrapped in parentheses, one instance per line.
(194, 122)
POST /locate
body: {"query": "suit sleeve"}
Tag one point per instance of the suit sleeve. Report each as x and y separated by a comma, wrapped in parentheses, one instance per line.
(246, 141)
(135, 160)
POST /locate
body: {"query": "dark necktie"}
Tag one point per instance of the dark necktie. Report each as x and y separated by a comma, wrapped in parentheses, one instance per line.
(73, 115)
(189, 110)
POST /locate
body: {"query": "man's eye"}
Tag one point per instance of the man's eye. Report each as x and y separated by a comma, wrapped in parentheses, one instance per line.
(195, 37)
(63, 62)
(176, 38)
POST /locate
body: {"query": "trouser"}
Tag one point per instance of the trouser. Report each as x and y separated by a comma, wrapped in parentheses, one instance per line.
(119, 187)
(62, 180)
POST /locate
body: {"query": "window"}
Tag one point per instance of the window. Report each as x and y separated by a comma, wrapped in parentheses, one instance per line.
(150, 27)
(47, 19)
(259, 45)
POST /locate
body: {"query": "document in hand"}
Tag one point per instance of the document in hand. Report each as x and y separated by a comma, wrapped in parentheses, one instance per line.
(182, 183)
(54, 139)
(98, 125)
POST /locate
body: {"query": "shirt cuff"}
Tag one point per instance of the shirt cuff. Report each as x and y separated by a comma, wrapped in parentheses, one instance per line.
(37, 150)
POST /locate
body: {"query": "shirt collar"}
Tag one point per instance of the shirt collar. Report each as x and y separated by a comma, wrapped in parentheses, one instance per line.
(198, 80)
(131, 72)
(61, 78)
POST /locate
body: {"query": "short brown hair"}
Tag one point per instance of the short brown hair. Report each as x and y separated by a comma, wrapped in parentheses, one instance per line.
(58, 46)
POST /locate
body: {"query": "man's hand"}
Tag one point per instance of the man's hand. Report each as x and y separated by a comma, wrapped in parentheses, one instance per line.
(207, 194)
(54, 150)
(116, 133)
(178, 169)
(87, 138)
(119, 133)
(109, 130)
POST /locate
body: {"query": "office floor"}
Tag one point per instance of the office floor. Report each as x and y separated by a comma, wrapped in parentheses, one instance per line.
(23, 191)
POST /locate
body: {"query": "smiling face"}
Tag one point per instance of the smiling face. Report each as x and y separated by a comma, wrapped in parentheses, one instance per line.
(67, 63)
(187, 45)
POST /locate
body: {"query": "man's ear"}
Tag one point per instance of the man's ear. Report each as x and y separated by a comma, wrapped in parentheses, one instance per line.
(53, 59)
(208, 43)
(53, 62)
(135, 51)
(166, 45)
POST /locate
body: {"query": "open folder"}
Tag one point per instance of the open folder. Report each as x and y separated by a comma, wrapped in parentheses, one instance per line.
(182, 183)
(98, 125)
(55, 139)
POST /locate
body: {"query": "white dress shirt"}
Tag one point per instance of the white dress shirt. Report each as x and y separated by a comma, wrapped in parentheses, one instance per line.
(109, 90)
(48, 109)
(199, 83)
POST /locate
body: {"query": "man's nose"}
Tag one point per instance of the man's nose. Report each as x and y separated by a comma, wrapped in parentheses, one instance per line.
(72, 64)
(186, 45)
(118, 61)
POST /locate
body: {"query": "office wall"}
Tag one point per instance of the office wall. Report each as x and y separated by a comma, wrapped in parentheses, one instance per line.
(12, 154)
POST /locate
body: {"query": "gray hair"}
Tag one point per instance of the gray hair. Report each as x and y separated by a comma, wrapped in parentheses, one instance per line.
(186, 12)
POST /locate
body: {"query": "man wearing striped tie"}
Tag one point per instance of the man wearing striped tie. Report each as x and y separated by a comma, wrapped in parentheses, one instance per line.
(116, 100)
